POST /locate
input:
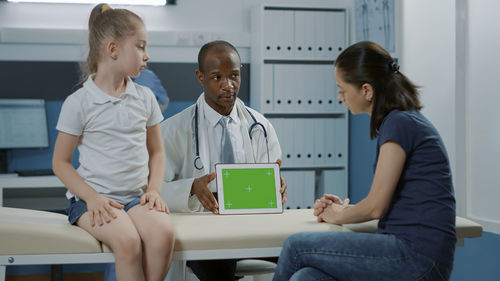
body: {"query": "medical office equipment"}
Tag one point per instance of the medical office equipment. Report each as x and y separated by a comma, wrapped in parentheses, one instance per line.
(23, 125)
(197, 160)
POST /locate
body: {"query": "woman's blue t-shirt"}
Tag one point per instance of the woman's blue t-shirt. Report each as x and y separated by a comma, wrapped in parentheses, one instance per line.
(422, 210)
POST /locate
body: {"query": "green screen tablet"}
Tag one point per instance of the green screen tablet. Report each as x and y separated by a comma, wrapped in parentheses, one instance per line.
(248, 188)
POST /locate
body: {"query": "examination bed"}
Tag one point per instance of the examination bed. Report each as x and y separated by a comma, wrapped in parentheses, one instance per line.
(38, 237)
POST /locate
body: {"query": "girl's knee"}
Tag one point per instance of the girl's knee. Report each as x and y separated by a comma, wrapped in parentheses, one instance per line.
(161, 239)
(168, 235)
(128, 244)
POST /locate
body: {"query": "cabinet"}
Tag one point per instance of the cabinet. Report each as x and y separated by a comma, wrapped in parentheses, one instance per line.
(293, 50)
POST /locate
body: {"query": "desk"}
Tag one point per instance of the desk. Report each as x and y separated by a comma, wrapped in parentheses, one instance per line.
(37, 237)
(16, 182)
(209, 236)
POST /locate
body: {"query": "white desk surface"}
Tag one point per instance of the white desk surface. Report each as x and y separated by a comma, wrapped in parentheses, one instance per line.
(27, 235)
(200, 235)
(209, 236)
(30, 182)
(242, 236)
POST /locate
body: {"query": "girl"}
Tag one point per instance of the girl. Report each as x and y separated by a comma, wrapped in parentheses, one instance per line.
(115, 192)
(411, 193)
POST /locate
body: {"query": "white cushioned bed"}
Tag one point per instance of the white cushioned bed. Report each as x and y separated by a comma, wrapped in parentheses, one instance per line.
(38, 237)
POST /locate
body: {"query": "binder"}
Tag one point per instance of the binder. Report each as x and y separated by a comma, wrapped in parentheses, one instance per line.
(299, 141)
(294, 182)
(280, 87)
(341, 137)
(302, 86)
(267, 93)
(304, 34)
(323, 75)
(288, 133)
(270, 30)
(333, 182)
(331, 36)
(294, 83)
(330, 132)
(310, 91)
(291, 193)
(284, 23)
(319, 76)
(308, 189)
(278, 127)
(320, 35)
(338, 37)
(300, 35)
(330, 86)
(308, 135)
(319, 141)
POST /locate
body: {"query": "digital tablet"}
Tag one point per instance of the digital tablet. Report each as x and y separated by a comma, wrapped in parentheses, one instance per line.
(248, 188)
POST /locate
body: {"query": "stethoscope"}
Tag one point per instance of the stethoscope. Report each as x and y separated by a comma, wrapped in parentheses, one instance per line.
(197, 160)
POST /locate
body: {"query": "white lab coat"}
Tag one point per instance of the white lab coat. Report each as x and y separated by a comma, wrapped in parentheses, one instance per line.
(178, 136)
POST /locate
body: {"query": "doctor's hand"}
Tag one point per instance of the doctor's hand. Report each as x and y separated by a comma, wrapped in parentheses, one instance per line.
(201, 188)
(283, 185)
(153, 199)
(321, 204)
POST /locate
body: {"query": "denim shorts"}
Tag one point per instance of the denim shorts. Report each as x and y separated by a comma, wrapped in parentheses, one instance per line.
(76, 208)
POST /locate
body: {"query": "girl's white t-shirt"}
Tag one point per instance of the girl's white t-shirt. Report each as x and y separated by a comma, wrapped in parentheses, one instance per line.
(113, 153)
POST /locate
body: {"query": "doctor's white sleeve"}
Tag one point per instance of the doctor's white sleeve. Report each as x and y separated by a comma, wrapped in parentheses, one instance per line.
(177, 182)
(176, 194)
(274, 145)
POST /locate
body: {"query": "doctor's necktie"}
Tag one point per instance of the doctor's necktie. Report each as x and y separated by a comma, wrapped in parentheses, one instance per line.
(227, 153)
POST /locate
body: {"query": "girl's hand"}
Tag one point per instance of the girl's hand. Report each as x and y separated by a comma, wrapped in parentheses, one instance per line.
(153, 199)
(101, 209)
(331, 213)
(321, 204)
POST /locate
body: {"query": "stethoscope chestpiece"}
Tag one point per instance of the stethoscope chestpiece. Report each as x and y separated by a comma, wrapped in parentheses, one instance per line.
(197, 163)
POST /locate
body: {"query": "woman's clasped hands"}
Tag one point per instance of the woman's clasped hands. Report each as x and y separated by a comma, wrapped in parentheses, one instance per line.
(329, 208)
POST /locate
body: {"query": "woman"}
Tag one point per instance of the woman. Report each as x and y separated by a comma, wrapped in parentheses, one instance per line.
(411, 193)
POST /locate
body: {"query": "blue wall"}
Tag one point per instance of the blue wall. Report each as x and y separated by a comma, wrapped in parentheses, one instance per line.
(479, 259)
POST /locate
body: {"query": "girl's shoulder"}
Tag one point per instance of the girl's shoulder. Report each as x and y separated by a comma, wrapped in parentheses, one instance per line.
(77, 97)
(143, 91)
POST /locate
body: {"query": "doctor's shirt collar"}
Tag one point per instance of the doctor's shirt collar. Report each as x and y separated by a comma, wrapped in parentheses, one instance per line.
(213, 116)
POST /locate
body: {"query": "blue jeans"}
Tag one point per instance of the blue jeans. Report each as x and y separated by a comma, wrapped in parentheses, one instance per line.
(343, 256)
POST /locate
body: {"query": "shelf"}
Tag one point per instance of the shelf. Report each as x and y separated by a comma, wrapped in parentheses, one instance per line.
(305, 114)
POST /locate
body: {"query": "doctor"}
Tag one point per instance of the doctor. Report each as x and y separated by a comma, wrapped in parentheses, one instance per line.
(195, 140)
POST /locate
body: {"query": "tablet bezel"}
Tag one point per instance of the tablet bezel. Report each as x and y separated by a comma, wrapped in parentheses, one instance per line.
(220, 194)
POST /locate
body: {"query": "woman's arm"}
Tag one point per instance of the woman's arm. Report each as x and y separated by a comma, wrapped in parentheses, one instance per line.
(390, 164)
(156, 169)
